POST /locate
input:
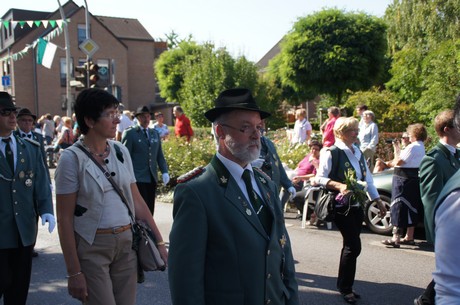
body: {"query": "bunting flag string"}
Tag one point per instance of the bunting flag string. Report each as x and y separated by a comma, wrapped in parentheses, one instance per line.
(31, 23)
(19, 55)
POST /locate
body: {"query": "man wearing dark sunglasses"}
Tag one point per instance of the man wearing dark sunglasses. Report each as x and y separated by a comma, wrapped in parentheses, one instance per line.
(25, 191)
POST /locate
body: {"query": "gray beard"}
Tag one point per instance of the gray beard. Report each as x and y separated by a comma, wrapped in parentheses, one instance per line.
(241, 152)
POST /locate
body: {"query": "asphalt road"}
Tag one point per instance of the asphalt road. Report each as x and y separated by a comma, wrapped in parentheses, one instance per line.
(385, 276)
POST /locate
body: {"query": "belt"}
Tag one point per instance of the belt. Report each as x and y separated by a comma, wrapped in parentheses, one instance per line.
(114, 230)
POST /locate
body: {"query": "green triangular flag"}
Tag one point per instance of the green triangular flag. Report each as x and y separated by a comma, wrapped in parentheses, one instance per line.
(6, 23)
(22, 23)
(38, 22)
(53, 23)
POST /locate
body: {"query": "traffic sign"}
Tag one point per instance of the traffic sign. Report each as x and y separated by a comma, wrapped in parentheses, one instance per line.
(6, 81)
(89, 47)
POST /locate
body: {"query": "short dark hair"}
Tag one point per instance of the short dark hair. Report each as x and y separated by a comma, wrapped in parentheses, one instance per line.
(90, 104)
(315, 143)
(457, 113)
(362, 107)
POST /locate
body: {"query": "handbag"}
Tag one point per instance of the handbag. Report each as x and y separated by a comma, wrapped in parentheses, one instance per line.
(148, 256)
(325, 205)
(144, 243)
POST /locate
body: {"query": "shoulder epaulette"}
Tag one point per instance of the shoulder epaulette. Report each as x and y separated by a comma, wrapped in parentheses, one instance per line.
(197, 171)
(31, 141)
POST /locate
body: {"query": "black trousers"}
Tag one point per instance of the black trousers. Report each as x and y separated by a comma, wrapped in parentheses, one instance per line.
(16, 268)
(350, 226)
(148, 192)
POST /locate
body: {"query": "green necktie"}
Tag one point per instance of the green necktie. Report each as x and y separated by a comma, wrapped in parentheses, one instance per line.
(9, 153)
(257, 203)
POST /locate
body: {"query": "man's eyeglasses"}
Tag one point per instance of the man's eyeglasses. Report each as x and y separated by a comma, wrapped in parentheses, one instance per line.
(246, 129)
(8, 112)
(112, 115)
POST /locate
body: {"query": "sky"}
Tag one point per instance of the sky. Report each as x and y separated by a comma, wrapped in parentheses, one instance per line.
(245, 27)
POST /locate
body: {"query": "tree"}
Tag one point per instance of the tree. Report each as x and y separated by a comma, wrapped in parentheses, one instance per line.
(424, 39)
(169, 68)
(391, 115)
(193, 75)
(332, 51)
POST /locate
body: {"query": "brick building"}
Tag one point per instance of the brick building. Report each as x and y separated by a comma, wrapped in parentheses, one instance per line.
(126, 55)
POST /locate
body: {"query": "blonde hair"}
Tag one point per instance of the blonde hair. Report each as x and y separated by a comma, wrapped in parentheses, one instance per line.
(301, 112)
(344, 124)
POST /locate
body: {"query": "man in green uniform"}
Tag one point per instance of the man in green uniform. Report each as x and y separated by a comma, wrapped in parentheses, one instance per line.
(439, 164)
(228, 243)
(25, 193)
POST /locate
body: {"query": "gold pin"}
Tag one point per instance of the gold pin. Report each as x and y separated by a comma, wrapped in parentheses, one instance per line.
(21, 174)
(283, 241)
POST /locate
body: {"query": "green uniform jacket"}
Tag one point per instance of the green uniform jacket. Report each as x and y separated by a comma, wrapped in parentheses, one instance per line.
(40, 140)
(436, 168)
(452, 184)
(145, 153)
(24, 194)
(219, 252)
(276, 170)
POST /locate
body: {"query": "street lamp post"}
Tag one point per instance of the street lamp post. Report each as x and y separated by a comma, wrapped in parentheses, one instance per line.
(69, 97)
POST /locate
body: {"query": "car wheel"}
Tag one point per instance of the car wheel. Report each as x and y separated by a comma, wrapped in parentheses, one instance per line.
(374, 222)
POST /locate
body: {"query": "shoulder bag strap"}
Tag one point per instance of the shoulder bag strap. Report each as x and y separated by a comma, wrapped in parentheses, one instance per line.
(109, 177)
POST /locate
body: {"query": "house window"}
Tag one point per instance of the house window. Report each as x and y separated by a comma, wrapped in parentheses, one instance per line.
(63, 71)
(104, 73)
(81, 32)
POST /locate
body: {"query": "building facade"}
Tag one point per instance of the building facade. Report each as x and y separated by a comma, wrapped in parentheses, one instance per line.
(125, 58)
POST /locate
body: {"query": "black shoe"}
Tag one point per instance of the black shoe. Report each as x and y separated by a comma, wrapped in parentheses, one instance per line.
(34, 253)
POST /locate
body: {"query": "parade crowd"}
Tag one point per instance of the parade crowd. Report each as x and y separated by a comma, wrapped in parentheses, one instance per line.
(228, 215)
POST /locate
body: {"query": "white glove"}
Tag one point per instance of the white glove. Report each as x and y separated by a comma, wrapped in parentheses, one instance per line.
(165, 177)
(292, 191)
(258, 163)
(49, 218)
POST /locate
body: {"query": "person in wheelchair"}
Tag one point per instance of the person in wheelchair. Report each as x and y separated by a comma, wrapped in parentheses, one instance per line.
(305, 170)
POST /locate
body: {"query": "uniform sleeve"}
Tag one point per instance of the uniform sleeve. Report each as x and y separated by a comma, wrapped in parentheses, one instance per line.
(187, 251)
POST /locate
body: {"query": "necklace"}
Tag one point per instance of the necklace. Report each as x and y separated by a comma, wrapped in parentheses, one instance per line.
(101, 155)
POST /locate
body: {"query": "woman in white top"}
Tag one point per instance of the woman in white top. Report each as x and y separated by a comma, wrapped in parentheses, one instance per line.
(302, 128)
(335, 163)
(161, 127)
(94, 223)
(406, 203)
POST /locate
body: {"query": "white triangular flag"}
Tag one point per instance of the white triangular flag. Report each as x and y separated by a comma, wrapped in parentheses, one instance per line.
(45, 53)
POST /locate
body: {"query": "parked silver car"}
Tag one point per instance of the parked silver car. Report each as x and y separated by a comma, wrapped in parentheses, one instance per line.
(375, 223)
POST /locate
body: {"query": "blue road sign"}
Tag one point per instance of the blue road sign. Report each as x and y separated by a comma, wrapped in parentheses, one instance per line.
(6, 81)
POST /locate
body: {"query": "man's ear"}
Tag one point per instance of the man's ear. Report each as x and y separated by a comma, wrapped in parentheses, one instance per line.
(219, 132)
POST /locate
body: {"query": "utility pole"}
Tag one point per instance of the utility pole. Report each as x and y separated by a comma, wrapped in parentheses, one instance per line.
(88, 58)
(69, 97)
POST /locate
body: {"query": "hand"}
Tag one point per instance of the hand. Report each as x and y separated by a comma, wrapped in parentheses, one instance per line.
(165, 177)
(48, 218)
(382, 208)
(292, 191)
(76, 286)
